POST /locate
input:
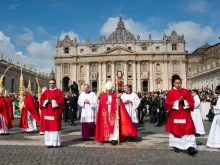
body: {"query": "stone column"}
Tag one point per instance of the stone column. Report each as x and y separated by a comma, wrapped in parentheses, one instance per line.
(165, 76)
(151, 77)
(113, 72)
(100, 75)
(58, 75)
(87, 73)
(74, 73)
(138, 76)
(104, 72)
(134, 88)
(182, 70)
(125, 73)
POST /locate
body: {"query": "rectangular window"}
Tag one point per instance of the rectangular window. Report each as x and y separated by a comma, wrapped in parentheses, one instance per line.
(129, 48)
(94, 50)
(109, 76)
(144, 48)
(174, 46)
(108, 48)
(157, 48)
(66, 50)
(81, 50)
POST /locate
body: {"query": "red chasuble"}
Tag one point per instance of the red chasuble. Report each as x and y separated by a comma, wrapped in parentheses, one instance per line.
(4, 113)
(52, 116)
(180, 122)
(105, 122)
(29, 105)
(10, 107)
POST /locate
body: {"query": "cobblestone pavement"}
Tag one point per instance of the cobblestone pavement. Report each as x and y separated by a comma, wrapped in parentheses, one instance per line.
(151, 147)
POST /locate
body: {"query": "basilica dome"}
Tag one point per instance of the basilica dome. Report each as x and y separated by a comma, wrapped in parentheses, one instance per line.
(120, 34)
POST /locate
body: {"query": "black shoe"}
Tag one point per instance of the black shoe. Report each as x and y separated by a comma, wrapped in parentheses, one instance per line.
(85, 139)
(131, 139)
(114, 142)
(158, 125)
(176, 150)
(198, 143)
(192, 151)
(197, 135)
(73, 124)
(49, 146)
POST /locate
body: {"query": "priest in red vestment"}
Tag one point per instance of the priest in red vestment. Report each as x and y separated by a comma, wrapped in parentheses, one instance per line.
(5, 120)
(108, 127)
(9, 105)
(51, 104)
(29, 114)
(179, 104)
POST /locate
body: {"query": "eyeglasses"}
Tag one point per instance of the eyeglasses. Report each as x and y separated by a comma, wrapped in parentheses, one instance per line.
(51, 83)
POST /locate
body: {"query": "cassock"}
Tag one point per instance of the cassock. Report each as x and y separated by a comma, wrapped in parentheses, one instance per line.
(214, 134)
(131, 107)
(108, 127)
(52, 115)
(29, 114)
(197, 117)
(5, 120)
(10, 107)
(88, 113)
(180, 124)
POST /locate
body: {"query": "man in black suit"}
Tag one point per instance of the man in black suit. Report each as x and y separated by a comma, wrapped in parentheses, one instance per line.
(73, 107)
(141, 108)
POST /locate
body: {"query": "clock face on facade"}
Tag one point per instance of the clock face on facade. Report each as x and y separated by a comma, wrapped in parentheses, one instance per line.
(174, 37)
(119, 74)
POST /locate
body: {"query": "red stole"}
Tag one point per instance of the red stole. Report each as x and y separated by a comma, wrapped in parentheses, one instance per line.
(175, 128)
(4, 113)
(29, 105)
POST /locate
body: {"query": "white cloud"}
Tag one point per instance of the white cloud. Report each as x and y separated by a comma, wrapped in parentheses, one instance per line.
(134, 27)
(13, 6)
(41, 30)
(25, 37)
(71, 34)
(195, 34)
(200, 6)
(38, 55)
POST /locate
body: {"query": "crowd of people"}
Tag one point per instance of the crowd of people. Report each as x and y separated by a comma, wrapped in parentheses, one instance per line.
(111, 117)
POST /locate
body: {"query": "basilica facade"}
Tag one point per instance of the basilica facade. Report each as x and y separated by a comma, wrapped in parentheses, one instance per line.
(123, 58)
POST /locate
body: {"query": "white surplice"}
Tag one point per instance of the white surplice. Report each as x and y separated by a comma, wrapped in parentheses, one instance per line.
(4, 129)
(31, 123)
(131, 107)
(89, 111)
(197, 117)
(214, 134)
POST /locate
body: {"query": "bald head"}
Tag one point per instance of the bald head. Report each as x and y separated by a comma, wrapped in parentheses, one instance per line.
(86, 87)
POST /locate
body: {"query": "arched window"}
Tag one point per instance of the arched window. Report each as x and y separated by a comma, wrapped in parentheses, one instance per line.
(158, 68)
(119, 67)
(94, 68)
(109, 68)
(81, 69)
(174, 67)
(129, 68)
(144, 67)
(66, 69)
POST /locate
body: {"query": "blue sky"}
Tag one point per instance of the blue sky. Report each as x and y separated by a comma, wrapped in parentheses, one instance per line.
(29, 29)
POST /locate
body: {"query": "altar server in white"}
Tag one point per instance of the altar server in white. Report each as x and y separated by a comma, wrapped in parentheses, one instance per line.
(214, 134)
(88, 102)
(196, 114)
(131, 101)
